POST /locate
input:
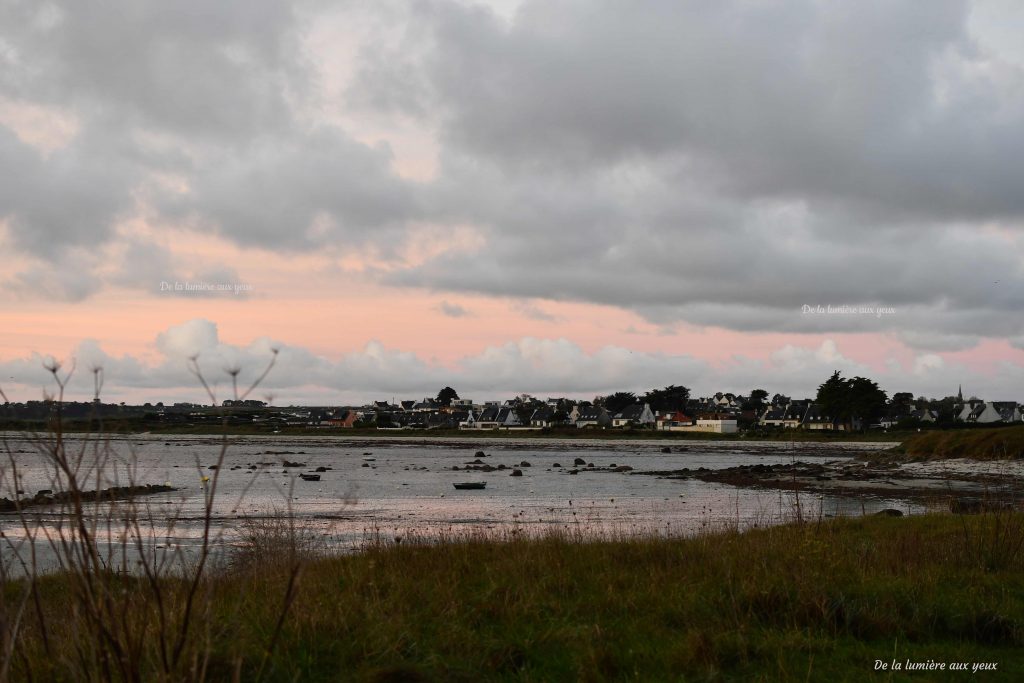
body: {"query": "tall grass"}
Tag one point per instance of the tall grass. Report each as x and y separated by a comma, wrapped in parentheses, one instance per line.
(1001, 443)
(814, 600)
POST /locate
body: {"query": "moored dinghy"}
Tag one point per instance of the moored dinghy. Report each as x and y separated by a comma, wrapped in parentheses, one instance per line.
(470, 485)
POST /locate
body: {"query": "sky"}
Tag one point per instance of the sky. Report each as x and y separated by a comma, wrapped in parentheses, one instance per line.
(558, 197)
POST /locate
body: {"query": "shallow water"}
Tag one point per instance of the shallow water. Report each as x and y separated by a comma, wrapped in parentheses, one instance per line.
(395, 488)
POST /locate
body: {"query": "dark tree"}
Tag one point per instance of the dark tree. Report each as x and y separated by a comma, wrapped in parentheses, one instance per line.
(902, 398)
(848, 399)
(756, 400)
(446, 396)
(614, 403)
(833, 395)
(671, 398)
(867, 400)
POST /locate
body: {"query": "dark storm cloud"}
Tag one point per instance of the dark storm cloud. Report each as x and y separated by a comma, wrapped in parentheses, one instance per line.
(66, 199)
(210, 95)
(218, 69)
(298, 191)
(728, 163)
(717, 163)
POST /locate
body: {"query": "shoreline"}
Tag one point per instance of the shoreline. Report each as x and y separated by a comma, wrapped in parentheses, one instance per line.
(998, 483)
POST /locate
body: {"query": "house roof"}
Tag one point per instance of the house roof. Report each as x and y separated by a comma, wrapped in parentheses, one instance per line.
(542, 414)
(630, 412)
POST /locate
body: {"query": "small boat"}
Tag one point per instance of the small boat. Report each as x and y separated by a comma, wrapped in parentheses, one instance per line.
(470, 485)
(309, 477)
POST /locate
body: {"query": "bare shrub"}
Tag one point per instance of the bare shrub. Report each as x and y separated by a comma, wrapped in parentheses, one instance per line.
(136, 606)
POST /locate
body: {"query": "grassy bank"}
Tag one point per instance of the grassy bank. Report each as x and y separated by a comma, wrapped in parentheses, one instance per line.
(802, 602)
(980, 444)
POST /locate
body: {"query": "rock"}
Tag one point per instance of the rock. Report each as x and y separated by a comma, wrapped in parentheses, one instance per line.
(557, 464)
(366, 464)
(613, 466)
(623, 468)
(478, 461)
(289, 463)
(524, 464)
(574, 471)
(321, 469)
(480, 454)
(516, 473)
(212, 467)
(666, 449)
(44, 492)
(590, 464)
(579, 461)
(888, 512)
(501, 467)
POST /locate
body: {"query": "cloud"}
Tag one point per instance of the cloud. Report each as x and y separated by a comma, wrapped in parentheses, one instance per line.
(725, 165)
(719, 164)
(533, 312)
(188, 339)
(453, 310)
(541, 366)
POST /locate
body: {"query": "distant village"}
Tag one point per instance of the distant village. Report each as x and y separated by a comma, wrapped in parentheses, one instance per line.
(669, 409)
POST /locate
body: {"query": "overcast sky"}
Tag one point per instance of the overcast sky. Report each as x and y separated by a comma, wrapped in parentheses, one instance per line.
(562, 197)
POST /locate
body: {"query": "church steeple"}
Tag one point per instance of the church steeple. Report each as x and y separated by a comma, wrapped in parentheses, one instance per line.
(960, 393)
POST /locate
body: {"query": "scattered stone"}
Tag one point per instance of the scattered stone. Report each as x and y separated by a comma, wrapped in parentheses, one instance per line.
(889, 512)
(321, 469)
(525, 464)
(366, 464)
(480, 454)
(516, 473)
(501, 467)
(579, 461)
(666, 449)
(623, 468)
(289, 463)
(557, 464)
(46, 497)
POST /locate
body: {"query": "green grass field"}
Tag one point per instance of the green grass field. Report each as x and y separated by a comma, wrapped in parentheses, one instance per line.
(815, 601)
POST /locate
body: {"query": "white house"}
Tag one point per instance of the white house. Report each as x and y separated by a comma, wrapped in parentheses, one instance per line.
(638, 414)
